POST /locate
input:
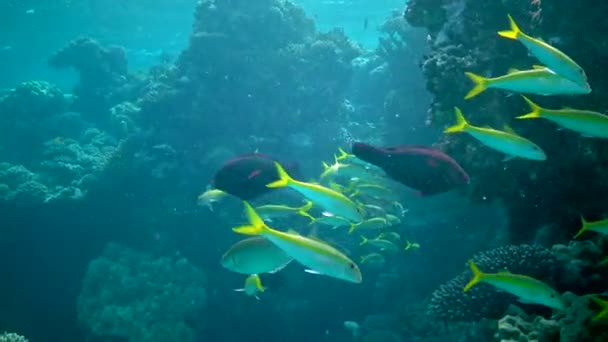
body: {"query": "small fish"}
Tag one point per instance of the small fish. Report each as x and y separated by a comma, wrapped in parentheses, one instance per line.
(597, 226)
(253, 285)
(255, 255)
(505, 142)
(539, 81)
(553, 58)
(373, 258)
(318, 256)
(329, 219)
(271, 211)
(374, 210)
(528, 289)
(392, 220)
(330, 200)
(373, 190)
(411, 245)
(603, 314)
(209, 197)
(382, 244)
(344, 170)
(585, 122)
(350, 158)
(393, 236)
(374, 223)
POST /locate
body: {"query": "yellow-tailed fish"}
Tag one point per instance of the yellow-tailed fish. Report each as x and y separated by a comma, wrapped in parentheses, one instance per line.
(411, 245)
(318, 256)
(393, 220)
(328, 199)
(372, 258)
(345, 170)
(253, 285)
(585, 122)
(596, 226)
(553, 58)
(603, 314)
(374, 210)
(329, 219)
(528, 289)
(382, 244)
(505, 142)
(539, 81)
(255, 255)
(375, 223)
(392, 236)
(270, 211)
(349, 158)
(209, 197)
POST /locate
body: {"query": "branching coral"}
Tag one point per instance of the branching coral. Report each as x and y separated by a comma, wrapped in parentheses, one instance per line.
(450, 303)
(140, 297)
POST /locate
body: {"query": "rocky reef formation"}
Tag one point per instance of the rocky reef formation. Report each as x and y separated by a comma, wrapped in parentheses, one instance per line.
(12, 337)
(464, 38)
(140, 297)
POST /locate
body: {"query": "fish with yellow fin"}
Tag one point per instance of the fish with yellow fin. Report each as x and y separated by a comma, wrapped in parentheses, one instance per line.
(253, 285)
(411, 245)
(318, 256)
(272, 211)
(600, 226)
(328, 199)
(209, 197)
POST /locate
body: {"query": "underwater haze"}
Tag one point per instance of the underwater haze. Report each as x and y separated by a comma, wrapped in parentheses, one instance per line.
(306, 170)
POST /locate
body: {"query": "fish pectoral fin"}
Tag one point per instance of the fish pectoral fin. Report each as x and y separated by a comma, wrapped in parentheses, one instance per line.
(312, 272)
(280, 267)
(256, 297)
(508, 158)
(524, 301)
(239, 290)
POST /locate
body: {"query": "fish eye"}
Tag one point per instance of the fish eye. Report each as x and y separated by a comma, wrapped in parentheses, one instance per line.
(552, 296)
(351, 266)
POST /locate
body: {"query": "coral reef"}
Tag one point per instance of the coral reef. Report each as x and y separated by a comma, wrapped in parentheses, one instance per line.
(582, 271)
(12, 337)
(464, 38)
(140, 297)
(450, 303)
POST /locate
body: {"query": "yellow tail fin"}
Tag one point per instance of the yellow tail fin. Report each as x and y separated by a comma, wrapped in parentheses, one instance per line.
(477, 276)
(353, 227)
(584, 227)
(461, 122)
(604, 305)
(303, 211)
(364, 241)
(284, 178)
(535, 113)
(481, 84)
(256, 225)
(513, 33)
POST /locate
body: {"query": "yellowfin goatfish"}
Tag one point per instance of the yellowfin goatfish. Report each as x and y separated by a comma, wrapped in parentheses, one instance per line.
(553, 58)
(320, 257)
(411, 245)
(506, 142)
(528, 289)
(330, 200)
(379, 242)
(271, 211)
(253, 285)
(539, 81)
(585, 122)
(374, 223)
(597, 226)
(255, 255)
(209, 197)
(603, 314)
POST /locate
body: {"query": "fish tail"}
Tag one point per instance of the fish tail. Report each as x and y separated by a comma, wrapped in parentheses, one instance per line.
(513, 33)
(343, 154)
(364, 241)
(408, 245)
(481, 84)
(256, 225)
(603, 304)
(353, 227)
(325, 166)
(477, 276)
(536, 110)
(303, 211)
(284, 178)
(461, 122)
(584, 227)
(363, 259)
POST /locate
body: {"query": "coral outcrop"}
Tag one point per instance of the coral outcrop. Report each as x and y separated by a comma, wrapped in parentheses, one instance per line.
(12, 337)
(464, 38)
(137, 296)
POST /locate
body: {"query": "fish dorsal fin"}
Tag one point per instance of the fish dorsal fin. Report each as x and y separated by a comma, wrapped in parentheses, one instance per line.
(508, 129)
(539, 67)
(512, 71)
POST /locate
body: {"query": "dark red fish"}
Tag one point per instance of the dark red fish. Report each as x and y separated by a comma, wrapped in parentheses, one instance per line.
(246, 176)
(425, 169)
